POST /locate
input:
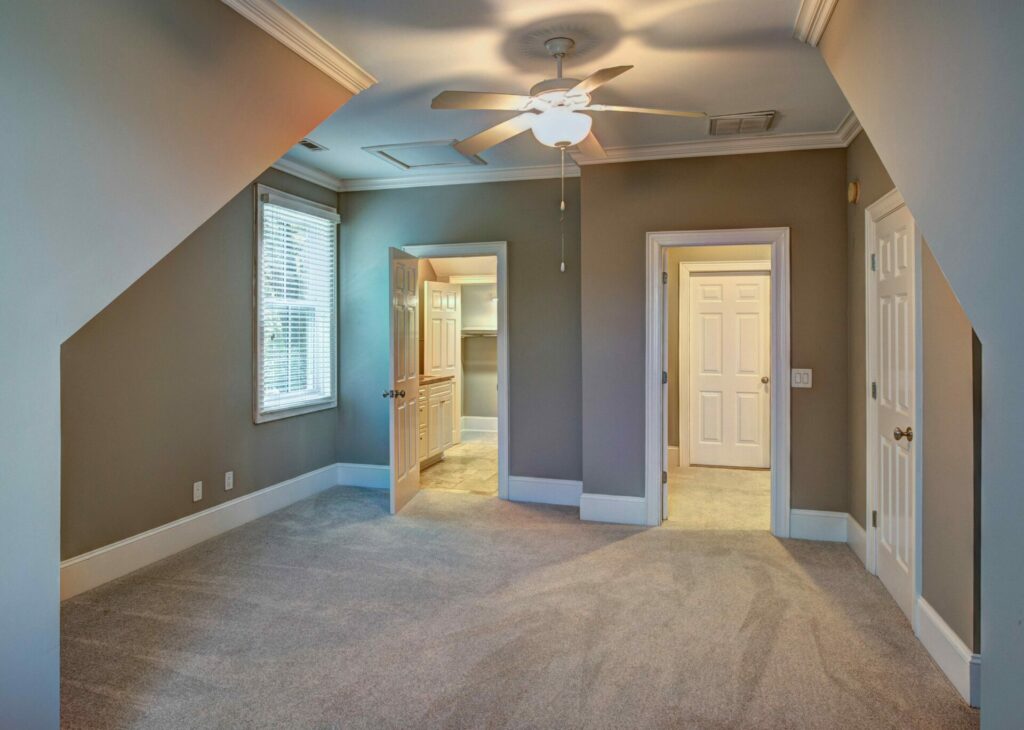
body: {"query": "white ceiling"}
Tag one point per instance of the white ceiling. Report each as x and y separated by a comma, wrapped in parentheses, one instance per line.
(718, 56)
(465, 266)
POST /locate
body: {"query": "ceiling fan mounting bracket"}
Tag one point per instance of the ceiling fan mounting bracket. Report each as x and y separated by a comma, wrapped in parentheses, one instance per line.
(559, 46)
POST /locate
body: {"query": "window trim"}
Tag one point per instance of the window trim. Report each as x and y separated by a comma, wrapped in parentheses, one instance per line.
(264, 194)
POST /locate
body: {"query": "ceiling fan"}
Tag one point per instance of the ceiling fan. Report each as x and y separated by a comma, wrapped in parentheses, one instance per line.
(552, 111)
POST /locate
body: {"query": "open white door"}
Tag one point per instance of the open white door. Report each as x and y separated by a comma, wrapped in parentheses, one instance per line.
(405, 379)
(895, 341)
(442, 340)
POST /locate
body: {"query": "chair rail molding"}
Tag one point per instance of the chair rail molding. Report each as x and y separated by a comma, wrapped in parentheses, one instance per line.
(812, 19)
(303, 40)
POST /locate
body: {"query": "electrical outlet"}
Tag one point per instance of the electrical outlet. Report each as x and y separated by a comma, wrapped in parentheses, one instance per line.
(197, 491)
(229, 480)
(801, 378)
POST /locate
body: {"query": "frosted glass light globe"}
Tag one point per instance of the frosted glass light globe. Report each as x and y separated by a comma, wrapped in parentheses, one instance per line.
(561, 127)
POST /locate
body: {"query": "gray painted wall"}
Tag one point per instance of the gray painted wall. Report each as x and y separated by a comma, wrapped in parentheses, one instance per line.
(156, 391)
(897, 64)
(621, 203)
(674, 257)
(544, 312)
(112, 154)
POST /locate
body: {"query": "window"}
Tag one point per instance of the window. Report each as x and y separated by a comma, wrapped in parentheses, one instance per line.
(296, 306)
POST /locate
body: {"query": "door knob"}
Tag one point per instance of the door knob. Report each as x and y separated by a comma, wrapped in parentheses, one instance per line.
(764, 379)
(401, 394)
(899, 433)
(385, 394)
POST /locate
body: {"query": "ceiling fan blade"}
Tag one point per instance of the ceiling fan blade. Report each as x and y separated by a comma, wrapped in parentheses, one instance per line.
(596, 79)
(496, 135)
(478, 100)
(643, 110)
(590, 147)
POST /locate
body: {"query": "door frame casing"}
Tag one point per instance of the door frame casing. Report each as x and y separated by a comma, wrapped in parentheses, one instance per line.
(881, 208)
(687, 268)
(655, 361)
(498, 249)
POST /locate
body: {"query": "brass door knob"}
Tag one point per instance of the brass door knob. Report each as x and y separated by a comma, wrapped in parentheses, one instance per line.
(899, 433)
(764, 379)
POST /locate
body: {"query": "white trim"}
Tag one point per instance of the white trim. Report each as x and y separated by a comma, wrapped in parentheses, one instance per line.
(536, 172)
(656, 361)
(305, 172)
(840, 137)
(304, 41)
(686, 270)
(856, 538)
(480, 423)
(957, 662)
(812, 19)
(96, 567)
(812, 524)
(371, 476)
(613, 508)
(545, 491)
(498, 249)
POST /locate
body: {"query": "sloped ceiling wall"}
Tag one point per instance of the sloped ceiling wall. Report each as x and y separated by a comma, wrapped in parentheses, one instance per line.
(937, 87)
(125, 125)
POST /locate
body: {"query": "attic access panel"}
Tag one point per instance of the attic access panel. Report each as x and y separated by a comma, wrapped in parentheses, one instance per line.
(419, 155)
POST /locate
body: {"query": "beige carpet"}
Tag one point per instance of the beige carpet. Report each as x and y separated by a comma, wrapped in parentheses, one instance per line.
(467, 611)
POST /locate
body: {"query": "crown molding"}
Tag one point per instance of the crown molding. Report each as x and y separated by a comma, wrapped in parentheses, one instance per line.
(313, 175)
(841, 137)
(812, 19)
(303, 40)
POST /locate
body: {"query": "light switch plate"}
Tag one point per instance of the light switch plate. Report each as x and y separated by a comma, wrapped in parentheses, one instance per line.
(801, 378)
(197, 491)
(229, 480)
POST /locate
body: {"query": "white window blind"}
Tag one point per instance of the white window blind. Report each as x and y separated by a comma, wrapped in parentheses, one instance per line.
(296, 306)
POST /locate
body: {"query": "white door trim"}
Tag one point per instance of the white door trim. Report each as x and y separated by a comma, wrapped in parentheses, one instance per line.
(656, 361)
(686, 268)
(889, 203)
(498, 249)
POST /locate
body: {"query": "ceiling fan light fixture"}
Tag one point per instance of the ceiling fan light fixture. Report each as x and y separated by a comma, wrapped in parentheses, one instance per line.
(561, 127)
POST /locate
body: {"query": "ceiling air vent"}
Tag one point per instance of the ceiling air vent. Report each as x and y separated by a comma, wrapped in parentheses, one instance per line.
(311, 145)
(419, 155)
(746, 123)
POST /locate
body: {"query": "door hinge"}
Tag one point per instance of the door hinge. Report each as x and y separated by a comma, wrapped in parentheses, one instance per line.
(664, 477)
(874, 518)
(664, 277)
(664, 377)
(874, 390)
(874, 263)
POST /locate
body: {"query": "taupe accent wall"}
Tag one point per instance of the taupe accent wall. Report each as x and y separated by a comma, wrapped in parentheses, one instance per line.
(621, 203)
(863, 166)
(948, 453)
(673, 258)
(156, 391)
(543, 310)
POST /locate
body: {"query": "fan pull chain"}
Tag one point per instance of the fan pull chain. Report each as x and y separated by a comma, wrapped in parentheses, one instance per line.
(561, 217)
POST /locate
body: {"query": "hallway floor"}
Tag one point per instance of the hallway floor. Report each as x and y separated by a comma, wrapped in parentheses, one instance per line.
(469, 611)
(714, 498)
(470, 466)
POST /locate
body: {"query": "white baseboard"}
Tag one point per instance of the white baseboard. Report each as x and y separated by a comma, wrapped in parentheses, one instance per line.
(373, 476)
(545, 491)
(857, 539)
(956, 661)
(480, 423)
(673, 457)
(613, 508)
(96, 567)
(812, 524)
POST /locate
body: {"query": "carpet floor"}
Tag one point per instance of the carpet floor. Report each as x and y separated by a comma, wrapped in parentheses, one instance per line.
(468, 611)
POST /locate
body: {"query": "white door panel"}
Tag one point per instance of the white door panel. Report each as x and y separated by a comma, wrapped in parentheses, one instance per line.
(404, 392)
(442, 342)
(895, 347)
(729, 356)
